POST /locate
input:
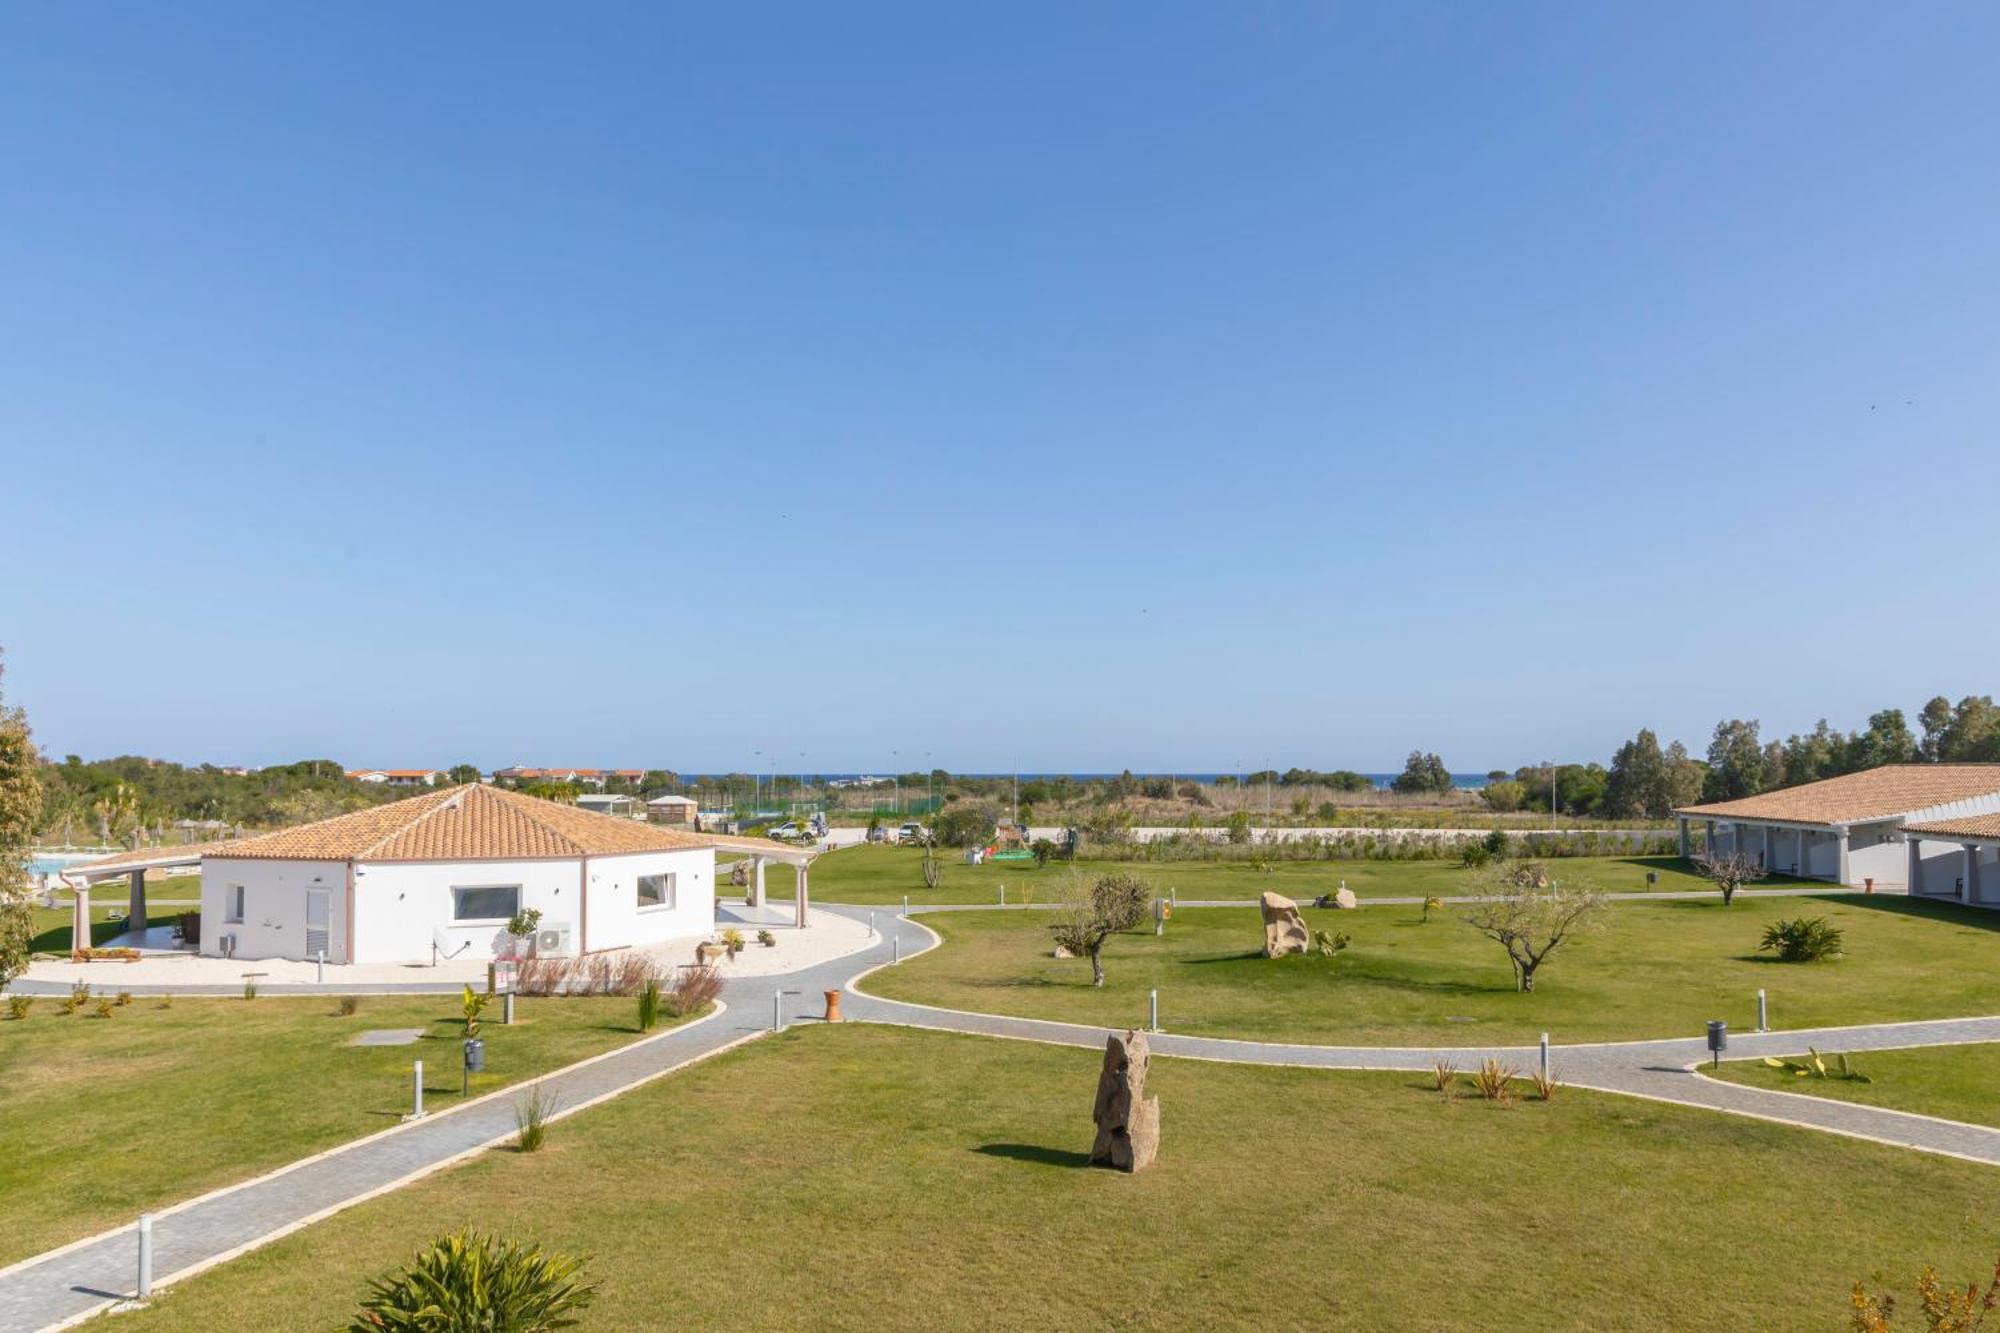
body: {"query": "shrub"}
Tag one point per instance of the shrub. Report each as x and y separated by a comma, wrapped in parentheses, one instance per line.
(693, 989)
(18, 1005)
(732, 940)
(531, 1118)
(524, 921)
(1945, 1309)
(1474, 855)
(1044, 850)
(249, 990)
(1815, 1066)
(649, 1005)
(1494, 1081)
(350, 1005)
(469, 1280)
(1545, 1087)
(1432, 904)
(1327, 945)
(1446, 1074)
(124, 998)
(473, 1003)
(166, 1001)
(188, 926)
(104, 1006)
(1806, 940)
(767, 939)
(1495, 842)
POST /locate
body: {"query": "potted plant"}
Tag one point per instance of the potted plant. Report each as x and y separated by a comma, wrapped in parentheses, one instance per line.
(732, 940)
(521, 926)
(767, 939)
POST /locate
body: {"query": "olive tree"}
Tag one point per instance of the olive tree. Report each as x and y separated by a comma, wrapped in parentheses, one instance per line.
(1530, 916)
(20, 810)
(1729, 871)
(1089, 913)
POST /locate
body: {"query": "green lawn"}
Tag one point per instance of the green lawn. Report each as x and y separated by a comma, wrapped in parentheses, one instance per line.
(866, 1177)
(1655, 969)
(106, 1117)
(1955, 1082)
(52, 925)
(881, 875)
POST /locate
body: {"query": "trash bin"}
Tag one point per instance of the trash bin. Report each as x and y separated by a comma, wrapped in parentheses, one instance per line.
(832, 1006)
(475, 1055)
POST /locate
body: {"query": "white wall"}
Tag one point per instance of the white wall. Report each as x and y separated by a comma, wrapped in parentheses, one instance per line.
(616, 919)
(274, 906)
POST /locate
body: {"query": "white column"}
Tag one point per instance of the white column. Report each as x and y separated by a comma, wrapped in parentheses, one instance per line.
(1711, 847)
(1799, 852)
(756, 881)
(1764, 846)
(1840, 861)
(1684, 838)
(79, 922)
(1968, 872)
(1916, 846)
(802, 896)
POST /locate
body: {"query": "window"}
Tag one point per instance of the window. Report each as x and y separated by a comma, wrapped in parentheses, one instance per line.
(232, 905)
(656, 890)
(488, 902)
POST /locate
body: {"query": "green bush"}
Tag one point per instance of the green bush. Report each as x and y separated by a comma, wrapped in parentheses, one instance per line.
(1806, 940)
(649, 1005)
(1474, 855)
(468, 1282)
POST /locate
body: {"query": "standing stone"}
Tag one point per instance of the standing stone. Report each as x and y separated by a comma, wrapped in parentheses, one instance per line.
(1345, 900)
(1128, 1122)
(1284, 929)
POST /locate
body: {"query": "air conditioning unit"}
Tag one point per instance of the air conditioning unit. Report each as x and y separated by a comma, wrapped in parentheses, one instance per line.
(554, 942)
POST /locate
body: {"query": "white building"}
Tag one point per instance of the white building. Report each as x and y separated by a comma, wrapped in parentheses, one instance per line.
(399, 777)
(1899, 825)
(449, 867)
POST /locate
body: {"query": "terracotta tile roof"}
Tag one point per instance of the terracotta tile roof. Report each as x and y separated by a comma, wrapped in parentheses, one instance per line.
(470, 823)
(165, 853)
(1965, 826)
(1876, 793)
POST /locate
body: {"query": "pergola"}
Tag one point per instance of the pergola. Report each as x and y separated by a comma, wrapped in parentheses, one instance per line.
(763, 851)
(132, 867)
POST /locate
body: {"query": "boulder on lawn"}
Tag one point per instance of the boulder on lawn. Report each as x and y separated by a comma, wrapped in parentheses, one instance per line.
(1128, 1122)
(1345, 900)
(1061, 952)
(1284, 929)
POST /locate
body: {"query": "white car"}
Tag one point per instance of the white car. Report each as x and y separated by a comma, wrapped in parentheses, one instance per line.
(785, 832)
(913, 833)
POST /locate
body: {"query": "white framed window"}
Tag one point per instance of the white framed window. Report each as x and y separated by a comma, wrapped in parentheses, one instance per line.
(657, 891)
(485, 902)
(232, 905)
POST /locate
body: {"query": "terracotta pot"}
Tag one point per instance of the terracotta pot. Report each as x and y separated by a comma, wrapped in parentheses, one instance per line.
(832, 1006)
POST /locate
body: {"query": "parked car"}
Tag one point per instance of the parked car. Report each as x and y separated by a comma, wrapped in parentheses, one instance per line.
(878, 834)
(913, 833)
(785, 832)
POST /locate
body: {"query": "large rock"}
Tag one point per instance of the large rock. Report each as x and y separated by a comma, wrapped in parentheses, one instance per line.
(1284, 929)
(1128, 1122)
(1345, 899)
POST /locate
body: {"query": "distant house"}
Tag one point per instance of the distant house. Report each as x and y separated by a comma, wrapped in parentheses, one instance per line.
(399, 777)
(671, 810)
(449, 868)
(1928, 828)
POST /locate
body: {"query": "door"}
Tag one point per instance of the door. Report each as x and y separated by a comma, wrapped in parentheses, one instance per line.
(319, 919)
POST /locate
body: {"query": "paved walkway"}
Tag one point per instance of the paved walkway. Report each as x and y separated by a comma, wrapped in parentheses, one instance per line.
(1659, 1070)
(1663, 895)
(73, 1283)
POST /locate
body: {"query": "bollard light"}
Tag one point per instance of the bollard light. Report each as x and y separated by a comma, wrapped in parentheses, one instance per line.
(507, 1009)
(1155, 1023)
(1003, 895)
(145, 1256)
(416, 1090)
(320, 977)
(1545, 1056)
(896, 950)
(906, 904)
(1763, 1020)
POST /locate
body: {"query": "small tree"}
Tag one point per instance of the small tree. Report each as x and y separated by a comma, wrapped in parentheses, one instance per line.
(931, 868)
(1729, 871)
(1530, 917)
(1088, 914)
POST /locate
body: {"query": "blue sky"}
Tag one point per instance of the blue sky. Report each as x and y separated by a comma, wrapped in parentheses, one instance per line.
(1048, 386)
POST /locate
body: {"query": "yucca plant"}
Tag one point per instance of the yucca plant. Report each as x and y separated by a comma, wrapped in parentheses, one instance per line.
(1494, 1081)
(1815, 1066)
(1545, 1087)
(1806, 940)
(649, 1005)
(350, 1005)
(1446, 1074)
(469, 1282)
